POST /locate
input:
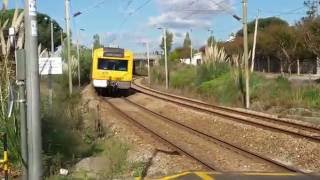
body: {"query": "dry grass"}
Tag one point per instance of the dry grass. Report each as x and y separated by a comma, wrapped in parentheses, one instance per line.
(10, 125)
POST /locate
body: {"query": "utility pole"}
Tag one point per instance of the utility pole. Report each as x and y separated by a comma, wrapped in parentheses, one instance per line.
(33, 91)
(165, 57)
(148, 57)
(255, 42)
(49, 75)
(211, 43)
(245, 44)
(190, 47)
(52, 39)
(78, 54)
(211, 32)
(67, 14)
(21, 83)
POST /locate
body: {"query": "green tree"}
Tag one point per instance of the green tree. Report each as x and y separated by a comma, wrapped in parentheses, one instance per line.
(263, 24)
(284, 42)
(311, 32)
(187, 41)
(179, 53)
(96, 42)
(169, 41)
(44, 28)
(85, 59)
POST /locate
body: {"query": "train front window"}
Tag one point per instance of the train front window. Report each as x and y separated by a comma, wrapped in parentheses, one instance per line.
(112, 64)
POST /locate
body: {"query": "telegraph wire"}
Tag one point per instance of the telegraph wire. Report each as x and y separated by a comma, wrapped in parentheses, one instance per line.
(131, 14)
(96, 5)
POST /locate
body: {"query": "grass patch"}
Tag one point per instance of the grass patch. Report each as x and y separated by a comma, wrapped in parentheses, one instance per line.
(184, 77)
(110, 163)
(64, 136)
(219, 82)
(117, 154)
(223, 89)
(138, 169)
(208, 72)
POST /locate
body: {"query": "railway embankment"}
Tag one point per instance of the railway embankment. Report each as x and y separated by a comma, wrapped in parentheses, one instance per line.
(127, 151)
(288, 96)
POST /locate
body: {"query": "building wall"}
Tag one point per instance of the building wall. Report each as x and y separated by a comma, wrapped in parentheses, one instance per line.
(196, 60)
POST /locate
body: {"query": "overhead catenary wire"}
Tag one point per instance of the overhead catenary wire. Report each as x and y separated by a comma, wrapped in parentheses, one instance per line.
(96, 5)
(223, 7)
(139, 8)
(293, 11)
(128, 4)
(134, 11)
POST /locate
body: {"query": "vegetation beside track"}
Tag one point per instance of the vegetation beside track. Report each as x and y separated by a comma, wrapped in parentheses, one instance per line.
(217, 82)
(71, 136)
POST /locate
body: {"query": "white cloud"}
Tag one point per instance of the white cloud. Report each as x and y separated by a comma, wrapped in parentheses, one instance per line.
(125, 39)
(183, 14)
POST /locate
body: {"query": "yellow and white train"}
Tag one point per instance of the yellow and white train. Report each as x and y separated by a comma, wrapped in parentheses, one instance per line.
(112, 69)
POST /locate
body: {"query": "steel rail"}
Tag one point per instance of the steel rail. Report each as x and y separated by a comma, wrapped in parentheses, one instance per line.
(217, 140)
(159, 137)
(234, 114)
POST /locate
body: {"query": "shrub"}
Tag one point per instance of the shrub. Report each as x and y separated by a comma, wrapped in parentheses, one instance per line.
(63, 140)
(223, 89)
(158, 75)
(185, 77)
(207, 72)
(311, 94)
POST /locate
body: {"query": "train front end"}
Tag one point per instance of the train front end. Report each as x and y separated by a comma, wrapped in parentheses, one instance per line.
(112, 69)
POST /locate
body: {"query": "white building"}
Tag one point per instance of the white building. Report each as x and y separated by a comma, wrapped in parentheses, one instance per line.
(196, 59)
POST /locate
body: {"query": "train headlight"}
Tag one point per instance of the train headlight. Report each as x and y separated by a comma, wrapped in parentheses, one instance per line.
(100, 83)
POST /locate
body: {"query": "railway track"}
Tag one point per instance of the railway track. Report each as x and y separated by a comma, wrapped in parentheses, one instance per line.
(266, 122)
(223, 144)
(181, 150)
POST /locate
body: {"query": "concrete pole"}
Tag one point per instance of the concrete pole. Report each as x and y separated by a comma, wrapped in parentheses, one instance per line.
(52, 39)
(33, 91)
(255, 42)
(190, 48)
(211, 43)
(148, 57)
(165, 57)
(23, 129)
(67, 13)
(268, 64)
(21, 65)
(78, 54)
(50, 76)
(245, 44)
(298, 67)
(211, 40)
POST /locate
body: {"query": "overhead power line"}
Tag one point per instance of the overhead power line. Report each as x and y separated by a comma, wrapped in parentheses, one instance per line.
(133, 12)
(293, 11)
(140, 7)
(96, 5)
(219, 4)
(128, 4)
(222, 6)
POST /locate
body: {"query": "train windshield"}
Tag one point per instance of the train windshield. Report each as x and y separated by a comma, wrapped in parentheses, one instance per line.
(112, 64)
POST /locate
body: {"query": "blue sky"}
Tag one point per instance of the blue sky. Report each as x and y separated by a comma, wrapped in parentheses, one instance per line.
(127, 23)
